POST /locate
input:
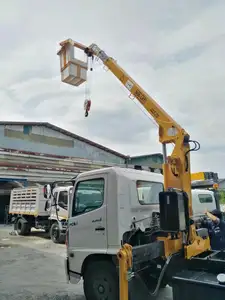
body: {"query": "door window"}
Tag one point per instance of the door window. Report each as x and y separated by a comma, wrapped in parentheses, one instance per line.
(205, 198)
(148, 192)
(63, 199)
(89, 195)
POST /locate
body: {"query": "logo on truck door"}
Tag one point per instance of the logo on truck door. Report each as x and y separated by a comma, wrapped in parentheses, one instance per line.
(97, 220)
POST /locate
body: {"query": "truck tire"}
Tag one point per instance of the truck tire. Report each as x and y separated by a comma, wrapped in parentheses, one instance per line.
(22, 227)
(101, 281)
(55, 234)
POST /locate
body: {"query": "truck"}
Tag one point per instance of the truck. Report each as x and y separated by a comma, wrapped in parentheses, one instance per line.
(105, 205)
(130, 260)
(209, 181)
(30, 209)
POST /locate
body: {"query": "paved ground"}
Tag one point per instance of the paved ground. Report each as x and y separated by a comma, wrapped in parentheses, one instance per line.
(33, 268)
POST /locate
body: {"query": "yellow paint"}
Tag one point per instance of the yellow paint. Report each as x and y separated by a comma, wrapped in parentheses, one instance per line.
(215, 186)
(198, 176)
(171, 245)
(197, 245)
(125, 265)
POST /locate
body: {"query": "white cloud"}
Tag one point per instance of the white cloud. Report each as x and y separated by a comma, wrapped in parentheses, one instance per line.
(174, 50)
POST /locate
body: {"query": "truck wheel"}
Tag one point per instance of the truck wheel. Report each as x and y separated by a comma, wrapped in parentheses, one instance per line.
(22, 227)
(101, 281)
(55, 234)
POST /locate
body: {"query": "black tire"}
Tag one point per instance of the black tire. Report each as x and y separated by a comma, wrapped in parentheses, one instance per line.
(22, 227)
(101, 281)
(55, 234)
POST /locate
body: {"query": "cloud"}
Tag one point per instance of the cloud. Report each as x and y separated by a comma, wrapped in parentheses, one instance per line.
(174, 50)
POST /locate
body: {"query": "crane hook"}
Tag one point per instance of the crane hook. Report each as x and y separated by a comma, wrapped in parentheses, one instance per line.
(87, 106)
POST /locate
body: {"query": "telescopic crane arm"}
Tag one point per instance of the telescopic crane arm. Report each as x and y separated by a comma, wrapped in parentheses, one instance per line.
(176, 168)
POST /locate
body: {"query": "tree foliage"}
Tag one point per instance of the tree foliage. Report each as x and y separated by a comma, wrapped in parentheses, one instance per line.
(222, 196)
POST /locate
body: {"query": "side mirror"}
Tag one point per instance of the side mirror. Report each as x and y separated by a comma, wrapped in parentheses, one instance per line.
(47, 191)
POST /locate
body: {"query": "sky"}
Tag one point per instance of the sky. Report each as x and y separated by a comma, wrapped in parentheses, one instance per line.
(173, 49)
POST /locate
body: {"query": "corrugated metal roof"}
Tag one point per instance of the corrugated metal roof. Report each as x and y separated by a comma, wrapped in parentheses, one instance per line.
(38, 167)
(63, 131)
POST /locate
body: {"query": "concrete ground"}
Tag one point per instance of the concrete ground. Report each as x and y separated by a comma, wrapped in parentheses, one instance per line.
(33, 268)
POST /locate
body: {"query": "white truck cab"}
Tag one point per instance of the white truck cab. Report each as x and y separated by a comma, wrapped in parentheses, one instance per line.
(201, 200)
(109, 206)
(58, 207)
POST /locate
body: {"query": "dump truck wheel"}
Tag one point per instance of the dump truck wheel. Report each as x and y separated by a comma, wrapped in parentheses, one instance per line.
(22, 227)
(101, 281)
(55, 234)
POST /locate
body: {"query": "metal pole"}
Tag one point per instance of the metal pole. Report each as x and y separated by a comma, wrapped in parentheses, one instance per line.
(164, 153)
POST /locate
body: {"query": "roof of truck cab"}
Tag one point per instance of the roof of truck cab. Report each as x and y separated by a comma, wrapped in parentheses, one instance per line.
(127, 172)
(62, 188)
(201, 191)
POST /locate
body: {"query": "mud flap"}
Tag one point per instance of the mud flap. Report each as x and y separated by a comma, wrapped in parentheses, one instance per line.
(66, 267)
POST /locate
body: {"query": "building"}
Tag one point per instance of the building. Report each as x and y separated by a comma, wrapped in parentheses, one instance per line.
(34, 153)
(152, 161)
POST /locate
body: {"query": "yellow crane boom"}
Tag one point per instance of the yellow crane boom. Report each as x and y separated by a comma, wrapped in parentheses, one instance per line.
(176, 168)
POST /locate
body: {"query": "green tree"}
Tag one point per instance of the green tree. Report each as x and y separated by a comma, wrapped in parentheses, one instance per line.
(222, 196)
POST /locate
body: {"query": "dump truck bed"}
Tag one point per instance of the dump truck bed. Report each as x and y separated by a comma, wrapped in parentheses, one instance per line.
(28, 201)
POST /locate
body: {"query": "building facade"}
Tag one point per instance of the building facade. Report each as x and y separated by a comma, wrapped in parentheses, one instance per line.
(150, 160)
(34, 153)
(49, 139)
(37, 153)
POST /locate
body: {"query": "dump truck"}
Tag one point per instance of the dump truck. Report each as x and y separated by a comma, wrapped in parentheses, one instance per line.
(30, 209)
(177, 251)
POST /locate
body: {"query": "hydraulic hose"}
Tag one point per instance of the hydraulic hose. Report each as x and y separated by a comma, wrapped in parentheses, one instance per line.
(155, 292)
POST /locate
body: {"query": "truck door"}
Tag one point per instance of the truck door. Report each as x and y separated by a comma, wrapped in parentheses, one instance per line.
(87, 222)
